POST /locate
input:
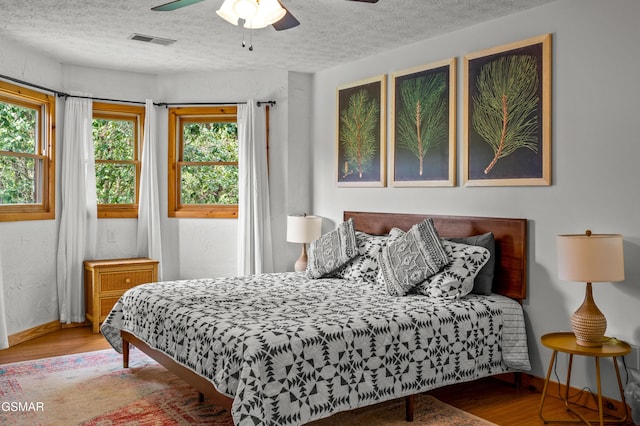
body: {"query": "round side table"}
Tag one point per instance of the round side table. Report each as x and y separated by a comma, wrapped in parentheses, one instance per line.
(566, 343)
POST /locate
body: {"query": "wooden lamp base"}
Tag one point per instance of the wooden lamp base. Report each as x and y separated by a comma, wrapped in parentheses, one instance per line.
(588, 322)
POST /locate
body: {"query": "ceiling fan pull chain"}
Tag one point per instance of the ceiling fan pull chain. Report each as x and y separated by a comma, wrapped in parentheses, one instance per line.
(241, 25)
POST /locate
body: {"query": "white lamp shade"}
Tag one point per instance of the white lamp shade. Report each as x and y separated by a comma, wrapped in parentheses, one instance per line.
(594, 258)
(303, 229)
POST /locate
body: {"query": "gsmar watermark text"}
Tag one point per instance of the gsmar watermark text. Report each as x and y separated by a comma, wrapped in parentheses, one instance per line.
(14, 406)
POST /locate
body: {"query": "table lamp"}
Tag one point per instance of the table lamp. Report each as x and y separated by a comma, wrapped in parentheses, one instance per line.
(303, 229)
(590, 258)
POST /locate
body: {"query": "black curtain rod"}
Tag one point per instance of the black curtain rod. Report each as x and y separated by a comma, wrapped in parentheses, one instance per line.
(67, 95)
(168, 104)
(25, 83)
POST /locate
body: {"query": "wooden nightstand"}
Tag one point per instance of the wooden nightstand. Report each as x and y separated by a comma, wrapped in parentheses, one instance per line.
(566, 343)
(106, 280)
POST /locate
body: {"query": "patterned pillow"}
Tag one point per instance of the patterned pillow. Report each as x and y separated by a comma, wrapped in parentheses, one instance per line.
(395, 234)
(365, 265)
(379, 284)
(332, 250)
(456, 279)
(483, 283)
(411, 258)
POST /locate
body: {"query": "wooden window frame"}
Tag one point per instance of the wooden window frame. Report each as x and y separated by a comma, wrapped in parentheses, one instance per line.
(45, 151)
(177, 116)
(102, 110)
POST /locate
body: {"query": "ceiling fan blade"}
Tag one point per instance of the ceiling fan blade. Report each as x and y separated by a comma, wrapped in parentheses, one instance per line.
(287, 21)
(176, 4)
(366, 1)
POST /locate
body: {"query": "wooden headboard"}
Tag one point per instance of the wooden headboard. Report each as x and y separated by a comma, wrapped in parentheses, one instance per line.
(510, 235)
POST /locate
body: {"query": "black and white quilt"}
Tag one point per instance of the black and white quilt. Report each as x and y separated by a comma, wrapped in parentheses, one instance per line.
(289, 350)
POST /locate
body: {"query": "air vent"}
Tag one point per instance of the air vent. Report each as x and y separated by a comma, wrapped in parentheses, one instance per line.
(152, 39)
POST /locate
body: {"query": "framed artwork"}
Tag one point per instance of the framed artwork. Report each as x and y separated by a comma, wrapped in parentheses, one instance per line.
(423, 125)
(507, 115)
(361, 133)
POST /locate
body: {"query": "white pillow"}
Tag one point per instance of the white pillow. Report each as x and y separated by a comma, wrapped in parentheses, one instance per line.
(456, 279)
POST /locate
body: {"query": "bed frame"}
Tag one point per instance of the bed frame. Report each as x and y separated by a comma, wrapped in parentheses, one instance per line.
(510, 279)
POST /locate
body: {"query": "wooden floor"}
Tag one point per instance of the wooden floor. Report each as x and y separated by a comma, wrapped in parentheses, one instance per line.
(491, 399)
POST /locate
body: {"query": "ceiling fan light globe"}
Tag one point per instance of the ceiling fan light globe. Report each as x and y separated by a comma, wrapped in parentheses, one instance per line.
(254, 13)
(271, 11)
(226, 12)
(246, 9)
(254, 24)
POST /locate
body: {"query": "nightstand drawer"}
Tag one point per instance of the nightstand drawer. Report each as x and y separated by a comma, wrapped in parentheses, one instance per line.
(106, 280)
(106, 304)
(119, 281)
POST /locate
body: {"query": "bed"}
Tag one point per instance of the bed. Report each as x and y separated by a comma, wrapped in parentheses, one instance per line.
(283, 349)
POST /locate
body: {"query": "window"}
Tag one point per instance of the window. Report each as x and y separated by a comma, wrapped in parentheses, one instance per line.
(203, 162)
(117, 136)
(27, 154)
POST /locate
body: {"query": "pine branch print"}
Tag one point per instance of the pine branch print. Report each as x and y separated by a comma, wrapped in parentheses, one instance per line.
(505, 106)
(422, 117)
(358, 133)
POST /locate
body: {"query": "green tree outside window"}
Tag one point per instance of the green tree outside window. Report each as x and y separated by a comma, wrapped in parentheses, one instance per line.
(114, 145)
(209, 167)
(18, 145)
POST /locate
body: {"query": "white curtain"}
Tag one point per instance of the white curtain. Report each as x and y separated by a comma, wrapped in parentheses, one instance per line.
(255, 253)
(77, 235)
(4, 338)
(149, 237)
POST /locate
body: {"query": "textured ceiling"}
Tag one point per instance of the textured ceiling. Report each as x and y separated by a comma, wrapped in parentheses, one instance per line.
(96, 32)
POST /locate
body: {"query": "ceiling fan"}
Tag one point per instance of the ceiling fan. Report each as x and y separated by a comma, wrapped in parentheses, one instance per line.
(286, 22)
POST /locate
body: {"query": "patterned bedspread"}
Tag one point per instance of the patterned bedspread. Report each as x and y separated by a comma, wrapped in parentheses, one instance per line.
(289, 350)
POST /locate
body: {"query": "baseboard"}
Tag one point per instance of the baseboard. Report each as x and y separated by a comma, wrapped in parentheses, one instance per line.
(32, 333)
(39, 331)
(583, 398)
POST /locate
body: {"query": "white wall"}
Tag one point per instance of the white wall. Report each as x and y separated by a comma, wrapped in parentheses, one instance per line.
(595, 150)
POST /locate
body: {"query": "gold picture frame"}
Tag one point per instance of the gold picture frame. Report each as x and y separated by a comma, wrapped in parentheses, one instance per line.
(507, 115)
(423, 125)
(361, 133)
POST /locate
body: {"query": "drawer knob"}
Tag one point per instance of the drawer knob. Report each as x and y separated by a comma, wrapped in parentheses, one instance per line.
(127, 280)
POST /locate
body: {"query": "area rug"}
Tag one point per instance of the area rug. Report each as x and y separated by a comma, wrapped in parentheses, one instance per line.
(93, 389)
